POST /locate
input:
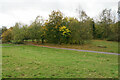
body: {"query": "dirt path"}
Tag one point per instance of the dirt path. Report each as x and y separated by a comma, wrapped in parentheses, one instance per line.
(82, 50)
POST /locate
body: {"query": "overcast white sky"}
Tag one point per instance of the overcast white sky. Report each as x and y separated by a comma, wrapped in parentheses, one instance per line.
(25, 11)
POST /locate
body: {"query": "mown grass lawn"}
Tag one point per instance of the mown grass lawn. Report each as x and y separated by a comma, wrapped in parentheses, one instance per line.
(37, 62)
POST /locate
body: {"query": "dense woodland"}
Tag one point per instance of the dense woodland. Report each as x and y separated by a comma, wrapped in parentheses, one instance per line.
(60, 29)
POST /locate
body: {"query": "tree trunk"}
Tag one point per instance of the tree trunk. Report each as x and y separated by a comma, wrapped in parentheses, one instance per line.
(42, 40)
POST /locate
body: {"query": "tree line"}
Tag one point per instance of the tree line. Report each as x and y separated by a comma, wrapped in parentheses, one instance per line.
(68, 30)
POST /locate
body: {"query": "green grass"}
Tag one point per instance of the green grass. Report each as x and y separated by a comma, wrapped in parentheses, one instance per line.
(110, 46)
(38, 62)
(7, 44)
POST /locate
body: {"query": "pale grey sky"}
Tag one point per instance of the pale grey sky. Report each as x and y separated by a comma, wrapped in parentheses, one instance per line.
(25, 11)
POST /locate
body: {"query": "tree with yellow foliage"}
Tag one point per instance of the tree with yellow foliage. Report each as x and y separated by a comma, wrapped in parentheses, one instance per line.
(65, 34)
(7, 35)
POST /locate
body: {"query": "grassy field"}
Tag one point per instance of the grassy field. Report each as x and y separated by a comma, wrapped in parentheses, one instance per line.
(37, 62)
(94, 45)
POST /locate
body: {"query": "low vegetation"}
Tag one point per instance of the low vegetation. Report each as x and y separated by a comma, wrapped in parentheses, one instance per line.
(37, 62)
(94, 45)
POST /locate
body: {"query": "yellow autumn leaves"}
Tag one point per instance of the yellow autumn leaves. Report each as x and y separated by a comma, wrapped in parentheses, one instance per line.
(65, 31)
